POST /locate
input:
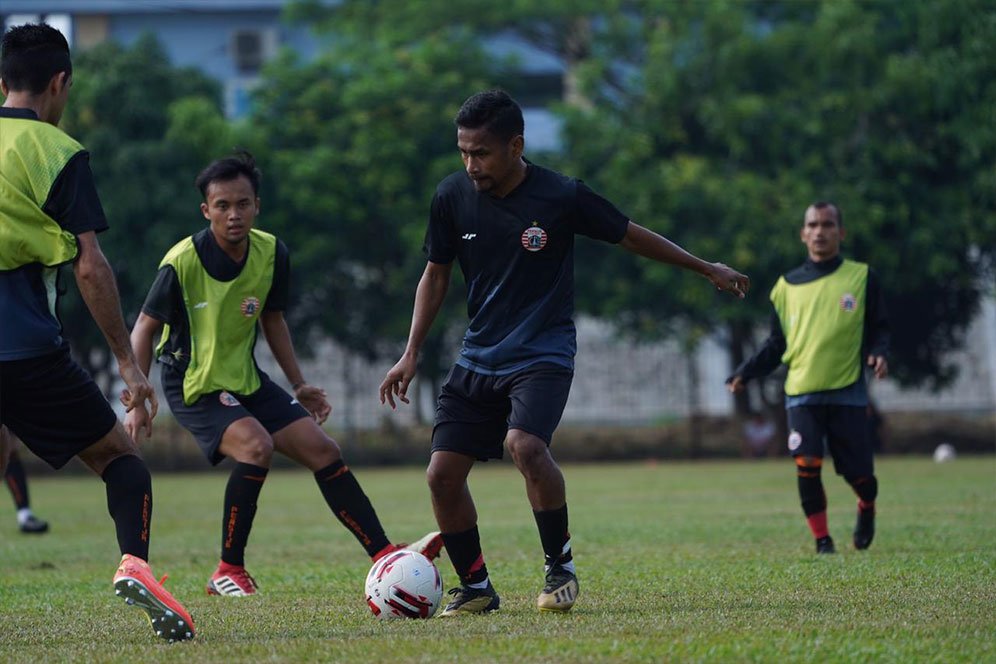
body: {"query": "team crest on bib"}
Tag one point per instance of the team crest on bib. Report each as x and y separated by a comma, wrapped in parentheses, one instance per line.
(250, 306)
(848, 302)
(227, 399)
(795, 440)
(534, 238)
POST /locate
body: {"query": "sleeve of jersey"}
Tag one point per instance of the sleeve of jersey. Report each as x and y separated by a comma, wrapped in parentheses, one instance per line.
(877, 333)
(597, 217)
(440, 236)
(279, 294)
(73, 201)
(768, 357)
(164, 301)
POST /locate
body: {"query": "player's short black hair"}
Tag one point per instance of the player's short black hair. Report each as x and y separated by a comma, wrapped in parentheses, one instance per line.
(31, 55)
(820, 205)
(230, 168)
(494, 111)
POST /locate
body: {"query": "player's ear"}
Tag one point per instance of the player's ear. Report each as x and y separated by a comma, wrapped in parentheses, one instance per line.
(204, 211)
(257, 205)
(841, 231)
(518, 145)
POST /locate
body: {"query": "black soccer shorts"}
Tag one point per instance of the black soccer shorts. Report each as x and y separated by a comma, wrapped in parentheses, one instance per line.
(54, 407)
(475, 411)
(212, 413)
(843, 430)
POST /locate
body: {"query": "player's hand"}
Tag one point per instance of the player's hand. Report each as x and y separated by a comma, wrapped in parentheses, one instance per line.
(735, 384)
(879, 366)
(139, 390)
(397, 380)
(136, 421)
(314, 401)
(727, 279)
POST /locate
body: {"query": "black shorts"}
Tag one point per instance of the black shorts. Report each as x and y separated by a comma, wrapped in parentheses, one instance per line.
(843, 430)
(53, 406)
(209, 416)
(475, 411)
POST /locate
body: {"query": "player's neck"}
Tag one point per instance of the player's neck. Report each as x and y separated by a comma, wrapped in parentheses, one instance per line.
(28, 102)
(236, 251)
(517, 176)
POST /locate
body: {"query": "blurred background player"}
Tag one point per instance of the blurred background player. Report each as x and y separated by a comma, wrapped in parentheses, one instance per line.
(511, 224)
(17, 482)
(758, 435)
(212, 290)
(50, 215)
(829, 320)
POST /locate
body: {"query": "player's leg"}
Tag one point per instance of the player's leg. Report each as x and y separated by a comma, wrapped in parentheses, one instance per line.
(17, 481)
(807, 431)
(538, 396)
(852, 452)
(223, 427)
(54, 383)
(471, 423)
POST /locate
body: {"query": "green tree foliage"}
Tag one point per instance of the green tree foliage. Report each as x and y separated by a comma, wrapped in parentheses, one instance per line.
(355, 143)
(148, 126)
(717, 123)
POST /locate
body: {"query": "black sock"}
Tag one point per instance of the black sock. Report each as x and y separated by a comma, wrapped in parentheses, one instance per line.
(129, 501)
(866, 489)
(241, 494)
(346, 499)
(464, 550)
(554, 535)
(17, 482)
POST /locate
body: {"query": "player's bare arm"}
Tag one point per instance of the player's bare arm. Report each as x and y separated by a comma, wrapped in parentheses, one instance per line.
(277, 334)
(429, 296)
(97, 286)
(645, 242)
(137, 421)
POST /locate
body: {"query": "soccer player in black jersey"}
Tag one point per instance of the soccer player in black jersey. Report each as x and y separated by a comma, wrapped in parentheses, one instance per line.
(511, 225)
(829, 318)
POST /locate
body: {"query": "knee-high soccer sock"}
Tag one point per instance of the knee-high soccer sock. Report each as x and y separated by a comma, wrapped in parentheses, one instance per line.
(555, 537)
(866, 488)
(812, 495)
(351, 506)
(129, 501)
(241, 495)
(464, 550)
(17, 482)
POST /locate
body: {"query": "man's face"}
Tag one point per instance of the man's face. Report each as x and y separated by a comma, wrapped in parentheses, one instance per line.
(231, 207)
(821, 233)
(489, 161)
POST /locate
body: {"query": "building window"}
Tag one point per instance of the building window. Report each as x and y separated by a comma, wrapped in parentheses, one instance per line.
(249, 50)
(61, 22)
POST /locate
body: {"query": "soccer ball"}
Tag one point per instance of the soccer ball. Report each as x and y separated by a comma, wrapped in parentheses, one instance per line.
(404, 584)
(944, 452)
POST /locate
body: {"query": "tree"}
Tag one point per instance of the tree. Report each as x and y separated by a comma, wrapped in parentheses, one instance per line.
(136, 114)
(724, 120)
(354, 144)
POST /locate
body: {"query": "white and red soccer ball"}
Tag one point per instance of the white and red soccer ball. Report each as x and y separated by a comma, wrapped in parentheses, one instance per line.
(404, 584)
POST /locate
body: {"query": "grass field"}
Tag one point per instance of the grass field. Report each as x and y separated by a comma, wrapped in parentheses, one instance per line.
(677, 562)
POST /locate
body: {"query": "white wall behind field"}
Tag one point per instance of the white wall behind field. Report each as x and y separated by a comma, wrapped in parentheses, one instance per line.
(618, 382)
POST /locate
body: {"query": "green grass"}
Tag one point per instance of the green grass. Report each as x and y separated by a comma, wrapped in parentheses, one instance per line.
(677, 562)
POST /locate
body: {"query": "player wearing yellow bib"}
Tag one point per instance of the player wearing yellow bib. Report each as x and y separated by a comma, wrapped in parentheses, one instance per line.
(50, 215)
(829, 320)
(213, 291)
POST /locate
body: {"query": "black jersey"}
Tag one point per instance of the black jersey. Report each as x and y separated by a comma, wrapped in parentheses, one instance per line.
(165, 299)
(517, 257)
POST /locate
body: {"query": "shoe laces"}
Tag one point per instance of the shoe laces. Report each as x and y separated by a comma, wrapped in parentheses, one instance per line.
(244, 577)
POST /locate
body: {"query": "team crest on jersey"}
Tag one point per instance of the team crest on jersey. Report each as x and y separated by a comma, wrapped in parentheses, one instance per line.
(534, 238)
(795, 440)
(227, 399)
(848, 302)
(250, 306)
